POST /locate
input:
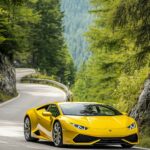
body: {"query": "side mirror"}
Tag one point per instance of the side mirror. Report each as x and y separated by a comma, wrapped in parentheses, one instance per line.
(124, 113)
(46, 113)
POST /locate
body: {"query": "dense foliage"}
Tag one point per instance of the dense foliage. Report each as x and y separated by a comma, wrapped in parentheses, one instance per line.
(31, 33)
(120, 52)
(76, 21)
(119, 44)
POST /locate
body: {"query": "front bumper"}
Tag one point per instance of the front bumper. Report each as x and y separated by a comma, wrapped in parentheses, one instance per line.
(131, 139)
(93, 136)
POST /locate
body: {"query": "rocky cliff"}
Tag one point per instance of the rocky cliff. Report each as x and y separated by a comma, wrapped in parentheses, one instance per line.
(141, 111)
(7, 79)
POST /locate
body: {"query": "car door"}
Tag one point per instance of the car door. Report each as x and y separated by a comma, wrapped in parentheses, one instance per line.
(46, 121)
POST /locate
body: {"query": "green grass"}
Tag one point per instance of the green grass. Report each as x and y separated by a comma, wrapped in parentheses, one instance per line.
(4, 97)
(145, 136)
(40, 76)
(144, 141)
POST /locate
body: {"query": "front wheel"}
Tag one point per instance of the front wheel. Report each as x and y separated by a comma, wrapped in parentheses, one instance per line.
(27, 130)
(57, 134)
(127, 145)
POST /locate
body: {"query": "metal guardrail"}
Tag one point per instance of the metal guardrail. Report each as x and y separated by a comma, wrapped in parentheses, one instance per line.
(57, 84)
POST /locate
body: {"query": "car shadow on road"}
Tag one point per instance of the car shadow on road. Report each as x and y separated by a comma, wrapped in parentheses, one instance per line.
(114, 147)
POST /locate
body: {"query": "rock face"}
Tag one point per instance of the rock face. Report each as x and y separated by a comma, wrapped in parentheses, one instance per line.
(141, 111)
(7, 77)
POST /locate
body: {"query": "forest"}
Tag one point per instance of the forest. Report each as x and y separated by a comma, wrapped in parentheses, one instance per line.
(31, 35)
(119, 42)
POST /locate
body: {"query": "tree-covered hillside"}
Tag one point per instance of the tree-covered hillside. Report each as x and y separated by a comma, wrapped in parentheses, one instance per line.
(76, 21)
(119, 64)
(119, 44)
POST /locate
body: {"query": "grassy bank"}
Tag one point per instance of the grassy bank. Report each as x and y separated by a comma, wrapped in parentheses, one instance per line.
(145, 137)
(144, 141)
(40, 76)
(4, 97)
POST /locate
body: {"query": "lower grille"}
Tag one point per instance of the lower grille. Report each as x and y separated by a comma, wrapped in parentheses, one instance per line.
(84, 139)
(132, 138)
(110, 140)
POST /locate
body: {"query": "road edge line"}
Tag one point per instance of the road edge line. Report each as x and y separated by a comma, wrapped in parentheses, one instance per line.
(9, 101)
(142, 148)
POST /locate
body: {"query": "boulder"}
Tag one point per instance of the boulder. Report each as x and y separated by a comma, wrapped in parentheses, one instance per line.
(7, 77)
(141, 111)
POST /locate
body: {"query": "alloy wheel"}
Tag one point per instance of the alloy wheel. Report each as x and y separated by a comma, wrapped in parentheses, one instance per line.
(57, 134)
(27, 128)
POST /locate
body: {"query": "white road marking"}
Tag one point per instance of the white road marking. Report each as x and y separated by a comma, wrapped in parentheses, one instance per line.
(3, 142)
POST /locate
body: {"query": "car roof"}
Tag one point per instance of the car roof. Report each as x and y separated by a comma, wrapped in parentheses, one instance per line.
(57, 103)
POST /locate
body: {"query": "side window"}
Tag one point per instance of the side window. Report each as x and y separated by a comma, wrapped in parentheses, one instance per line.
(53, 109)
(106, 111)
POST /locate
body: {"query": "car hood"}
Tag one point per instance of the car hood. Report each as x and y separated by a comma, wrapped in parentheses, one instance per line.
(120, 121)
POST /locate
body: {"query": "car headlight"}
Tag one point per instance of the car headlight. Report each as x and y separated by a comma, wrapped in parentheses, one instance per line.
(79, 126)
(132, 126)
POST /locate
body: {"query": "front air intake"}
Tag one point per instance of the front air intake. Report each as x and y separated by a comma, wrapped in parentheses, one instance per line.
(84, 138)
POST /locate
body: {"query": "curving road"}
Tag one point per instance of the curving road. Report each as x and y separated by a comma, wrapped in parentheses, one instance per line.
(12, 113)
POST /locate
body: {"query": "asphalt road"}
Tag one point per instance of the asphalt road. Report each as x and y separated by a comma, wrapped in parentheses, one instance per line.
(12, 113)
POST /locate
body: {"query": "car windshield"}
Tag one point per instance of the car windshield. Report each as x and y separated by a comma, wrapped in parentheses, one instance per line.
(86, 109)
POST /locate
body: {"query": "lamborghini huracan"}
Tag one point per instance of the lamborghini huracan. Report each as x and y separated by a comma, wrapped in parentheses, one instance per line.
(80, 123)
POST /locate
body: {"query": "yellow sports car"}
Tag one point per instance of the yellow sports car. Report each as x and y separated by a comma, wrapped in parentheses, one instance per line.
(80, 123)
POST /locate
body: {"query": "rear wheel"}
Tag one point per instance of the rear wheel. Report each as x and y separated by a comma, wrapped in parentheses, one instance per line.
(127, 145)
(57, 134)
(27, 130)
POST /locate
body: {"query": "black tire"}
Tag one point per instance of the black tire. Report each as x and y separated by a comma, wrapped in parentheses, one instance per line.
(127, 145)
(27, 130)
(57, 134)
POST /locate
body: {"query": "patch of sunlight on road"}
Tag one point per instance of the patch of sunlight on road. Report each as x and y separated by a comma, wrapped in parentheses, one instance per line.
(10, 129)
(41, 91)
(45, 94)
